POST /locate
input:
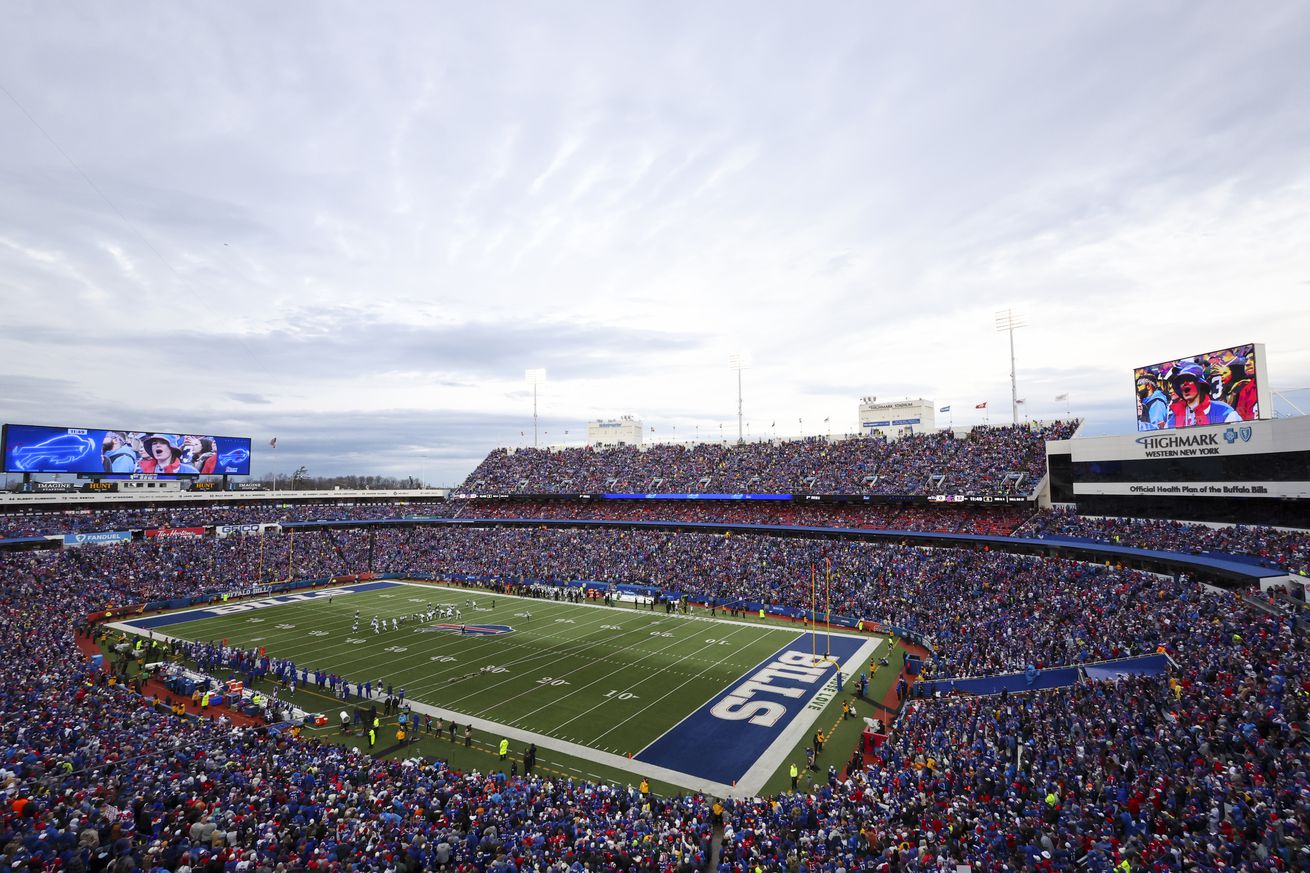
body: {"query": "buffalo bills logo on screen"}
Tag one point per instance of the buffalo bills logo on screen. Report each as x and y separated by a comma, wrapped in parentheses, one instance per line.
(234, 458)
(59, 451)
(472, 630)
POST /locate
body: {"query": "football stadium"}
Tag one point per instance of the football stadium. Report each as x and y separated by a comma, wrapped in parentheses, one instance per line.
(639, 679)
(636, 438)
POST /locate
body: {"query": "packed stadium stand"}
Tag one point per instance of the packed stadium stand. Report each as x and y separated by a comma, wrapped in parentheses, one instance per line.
(987, 459)
(1203, 767)
(891, 516)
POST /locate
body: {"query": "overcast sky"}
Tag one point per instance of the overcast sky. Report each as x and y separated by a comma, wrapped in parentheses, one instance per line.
(354, 226)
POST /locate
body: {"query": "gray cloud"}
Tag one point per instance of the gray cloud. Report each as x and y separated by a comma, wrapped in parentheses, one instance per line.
(442, 446)
(331, 343)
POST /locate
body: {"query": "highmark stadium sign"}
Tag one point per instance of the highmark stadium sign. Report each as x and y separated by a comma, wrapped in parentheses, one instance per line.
(1181, 445)
(1241, 438)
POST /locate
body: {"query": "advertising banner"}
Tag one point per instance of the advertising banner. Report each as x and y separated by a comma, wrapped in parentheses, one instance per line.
(186, 533)
(98, 538)
(1294, 490)
(1248, 438)
(39, 449)
(242, 530)
(52, 487)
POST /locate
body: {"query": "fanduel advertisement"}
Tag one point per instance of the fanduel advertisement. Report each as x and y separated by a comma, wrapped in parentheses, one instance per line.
(38, 449)
(98, 538)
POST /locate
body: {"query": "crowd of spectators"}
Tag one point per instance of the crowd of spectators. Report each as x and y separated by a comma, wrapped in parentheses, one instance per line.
(976, 462)
(976, 519)
(26, 522)
(1276, 547)
(1205, 768)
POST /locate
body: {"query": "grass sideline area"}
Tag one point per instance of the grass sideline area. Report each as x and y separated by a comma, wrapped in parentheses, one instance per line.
(590, 684)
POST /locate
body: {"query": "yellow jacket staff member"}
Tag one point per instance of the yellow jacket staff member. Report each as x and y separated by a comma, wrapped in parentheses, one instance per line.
(504, 749)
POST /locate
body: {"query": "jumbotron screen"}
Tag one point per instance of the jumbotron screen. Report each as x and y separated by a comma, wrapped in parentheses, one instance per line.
(1217, 387)
(32, 448)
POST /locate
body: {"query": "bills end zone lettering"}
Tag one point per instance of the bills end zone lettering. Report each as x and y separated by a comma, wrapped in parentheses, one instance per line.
(247, 606)
(788, 675)
(728, 734)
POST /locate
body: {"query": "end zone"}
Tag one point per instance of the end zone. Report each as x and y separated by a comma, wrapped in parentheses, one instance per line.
(213, 611)
(743, 734)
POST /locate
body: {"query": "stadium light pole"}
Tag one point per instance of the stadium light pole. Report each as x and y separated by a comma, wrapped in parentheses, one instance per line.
(535, 377)
(738, 363)
(1008, 320)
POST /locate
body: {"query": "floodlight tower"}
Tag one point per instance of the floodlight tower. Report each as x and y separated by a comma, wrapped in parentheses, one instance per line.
(1008, 320)
(535, 378)
(738, 363)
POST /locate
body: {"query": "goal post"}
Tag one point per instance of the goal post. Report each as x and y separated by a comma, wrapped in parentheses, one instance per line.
(826, 657)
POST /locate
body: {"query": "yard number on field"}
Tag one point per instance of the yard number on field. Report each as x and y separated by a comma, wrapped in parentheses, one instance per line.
(550, 680)
(616, 694)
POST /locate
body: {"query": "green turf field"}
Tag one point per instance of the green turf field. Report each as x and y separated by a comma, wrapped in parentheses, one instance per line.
(580, 679)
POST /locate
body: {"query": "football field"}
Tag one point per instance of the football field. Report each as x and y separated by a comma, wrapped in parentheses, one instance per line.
(691, 700)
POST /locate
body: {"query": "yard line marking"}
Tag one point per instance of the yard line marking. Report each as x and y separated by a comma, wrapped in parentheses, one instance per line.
(616, 726)
(606, 677)
(585, 666)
